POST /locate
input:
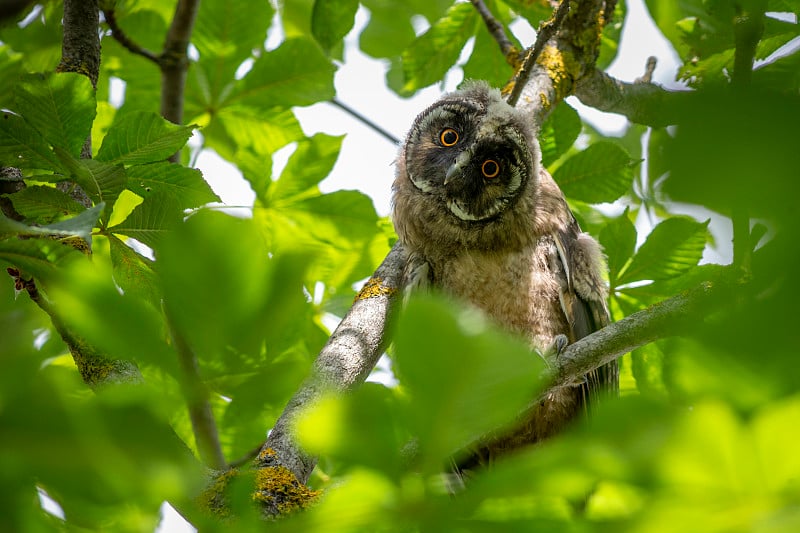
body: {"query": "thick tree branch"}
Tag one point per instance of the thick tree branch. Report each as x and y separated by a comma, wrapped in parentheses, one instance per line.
(175, 62)
(346, 360)
(641, 102)
(669, 318)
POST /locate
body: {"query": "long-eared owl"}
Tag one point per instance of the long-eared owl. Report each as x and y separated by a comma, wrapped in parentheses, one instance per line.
(484, 222)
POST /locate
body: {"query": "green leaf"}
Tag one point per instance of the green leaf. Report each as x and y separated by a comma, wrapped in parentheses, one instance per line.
(77, 226)
(610, 37)
(667, 13)
(262, 130)
(648, 369)
(485, 63)
(228, 34)
(331, 20)
(340, 230)
(534, 12)
(10, 70)
(103, 182)
(225, 36)
(38, 257)
(225, 293)
(618, 238)
(142, 137)
(387, 34)
(601, 173)
(363, 428)
(307, 166)
(446, 358)
(432, 54)
(297, 73)
(151, 220)
(44, 204)
(672, 248)
(133, 273)
(59, 106)
(185, 185)
(559, 132)
(23, 147)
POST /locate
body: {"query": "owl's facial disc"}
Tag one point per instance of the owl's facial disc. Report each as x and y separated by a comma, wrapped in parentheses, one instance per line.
(486, 177)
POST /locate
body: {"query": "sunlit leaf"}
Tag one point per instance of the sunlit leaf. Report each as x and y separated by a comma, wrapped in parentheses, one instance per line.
(601, 173)
(673, 247)
(308, 165)
(44, 204)
(133, 273)
(150, 221)
(22, 146)
(559, 132)
(460, 390)
(61, 107)
(427, 59)
(618, 238)
(142, 137)
(331, 20)
(295, 73)
(185, 185)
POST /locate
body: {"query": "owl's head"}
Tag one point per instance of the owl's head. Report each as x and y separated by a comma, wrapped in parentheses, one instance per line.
(472, 152)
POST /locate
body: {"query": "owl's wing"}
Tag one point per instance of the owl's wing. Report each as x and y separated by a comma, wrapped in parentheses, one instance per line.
(582, 297)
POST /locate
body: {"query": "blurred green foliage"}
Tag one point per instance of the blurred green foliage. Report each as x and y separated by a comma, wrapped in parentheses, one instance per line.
(703, 438)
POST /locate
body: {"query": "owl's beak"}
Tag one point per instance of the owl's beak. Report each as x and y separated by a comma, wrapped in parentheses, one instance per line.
(457, 168)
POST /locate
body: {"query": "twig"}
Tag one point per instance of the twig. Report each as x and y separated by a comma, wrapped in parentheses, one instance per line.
(95, 369)
(122, 38)
(496, 29)
(246, 458)
(649, 69)
(204, 426)
(367, 122)
(546, 32)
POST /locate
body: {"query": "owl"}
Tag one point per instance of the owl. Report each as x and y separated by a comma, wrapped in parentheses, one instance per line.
(485, 223)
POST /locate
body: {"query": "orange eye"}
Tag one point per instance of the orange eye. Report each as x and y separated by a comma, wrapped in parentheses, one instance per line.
(490, 168)
(448, 137)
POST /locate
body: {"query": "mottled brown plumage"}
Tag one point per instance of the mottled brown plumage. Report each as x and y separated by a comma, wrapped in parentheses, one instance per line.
(484, 222)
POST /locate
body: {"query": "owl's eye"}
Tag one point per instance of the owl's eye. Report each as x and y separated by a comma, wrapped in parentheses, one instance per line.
(448, 137)
(490, 168)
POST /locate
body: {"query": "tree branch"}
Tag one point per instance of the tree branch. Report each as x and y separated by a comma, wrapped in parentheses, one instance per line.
(367, 122)
(672, 317)
(122, 38)
(204, 426)
(94, 367)
(497, 31)
(175, 62)
(546, 32)
(641, 102)
(346, 360)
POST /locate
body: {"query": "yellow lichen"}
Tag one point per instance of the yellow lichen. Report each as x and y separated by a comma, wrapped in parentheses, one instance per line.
(280, 491)
(562, 69)
(213, 497)
(544, 100)
(374, 287)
